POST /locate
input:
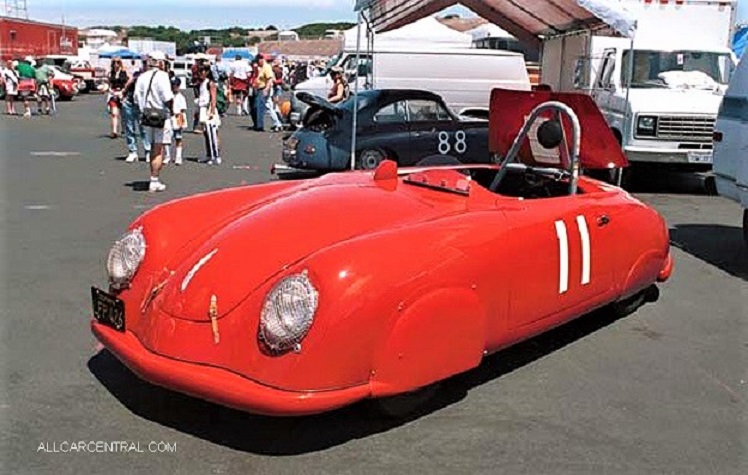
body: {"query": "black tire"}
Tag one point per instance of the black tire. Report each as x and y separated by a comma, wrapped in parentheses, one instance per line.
(745, 226)
(369, 159)
(626, 307)
(403, 405)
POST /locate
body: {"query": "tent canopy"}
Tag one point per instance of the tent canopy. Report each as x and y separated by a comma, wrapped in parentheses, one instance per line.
(426, 30)
(527, 20)
(123, 53)
(231, 53)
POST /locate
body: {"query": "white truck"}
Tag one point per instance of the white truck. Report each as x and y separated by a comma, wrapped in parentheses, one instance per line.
(662, 107)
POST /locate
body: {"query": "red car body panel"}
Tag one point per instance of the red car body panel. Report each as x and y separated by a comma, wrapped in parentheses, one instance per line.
(66, 87)
(418, 278)
(599, 147)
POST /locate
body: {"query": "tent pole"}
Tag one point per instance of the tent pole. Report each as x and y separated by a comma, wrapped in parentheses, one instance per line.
(355, 93)
(628, 125)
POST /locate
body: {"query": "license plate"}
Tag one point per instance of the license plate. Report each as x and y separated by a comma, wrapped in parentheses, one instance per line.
(699, 157)
(108, 309)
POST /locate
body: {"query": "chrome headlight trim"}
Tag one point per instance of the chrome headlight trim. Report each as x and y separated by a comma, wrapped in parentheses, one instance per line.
(125, 257)
(288, 313)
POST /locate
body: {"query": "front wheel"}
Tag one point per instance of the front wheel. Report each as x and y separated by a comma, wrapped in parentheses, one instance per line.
(745, 226)
(402, 405)
(369, 159)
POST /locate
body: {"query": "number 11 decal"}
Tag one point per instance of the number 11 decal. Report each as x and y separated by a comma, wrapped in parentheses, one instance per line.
(563, 252)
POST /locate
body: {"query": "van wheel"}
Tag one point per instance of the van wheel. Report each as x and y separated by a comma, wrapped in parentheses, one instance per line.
(369, 159)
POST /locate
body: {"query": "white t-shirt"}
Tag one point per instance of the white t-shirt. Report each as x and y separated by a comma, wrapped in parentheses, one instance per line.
(241, 69)
(160, 91)
(179, 107)
(203, 98)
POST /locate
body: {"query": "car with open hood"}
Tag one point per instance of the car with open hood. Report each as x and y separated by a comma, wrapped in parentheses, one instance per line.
(299, 297)
(402, 125)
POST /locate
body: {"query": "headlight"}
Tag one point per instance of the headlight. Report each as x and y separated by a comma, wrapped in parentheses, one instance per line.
(646, 126)
(288, 313)
(125, 258)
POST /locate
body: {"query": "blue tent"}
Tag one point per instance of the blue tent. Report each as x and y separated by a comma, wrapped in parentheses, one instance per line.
(231, 53)
(740, 40)
(123, 53)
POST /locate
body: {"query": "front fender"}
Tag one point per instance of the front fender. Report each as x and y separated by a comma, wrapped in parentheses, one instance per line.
(439, 335)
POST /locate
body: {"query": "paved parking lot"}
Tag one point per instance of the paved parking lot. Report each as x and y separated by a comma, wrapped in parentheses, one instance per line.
(661, 391)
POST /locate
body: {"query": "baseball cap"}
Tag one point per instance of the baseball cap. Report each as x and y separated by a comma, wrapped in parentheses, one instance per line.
(175, 81)
(157, 55)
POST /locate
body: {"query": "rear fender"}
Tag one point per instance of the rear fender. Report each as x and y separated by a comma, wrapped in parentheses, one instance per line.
(439, 335)
(644, 272)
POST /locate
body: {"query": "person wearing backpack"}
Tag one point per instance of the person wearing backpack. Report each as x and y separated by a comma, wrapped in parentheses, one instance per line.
(210, 118)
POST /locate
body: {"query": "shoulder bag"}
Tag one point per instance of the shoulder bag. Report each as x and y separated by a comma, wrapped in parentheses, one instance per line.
(150, 116)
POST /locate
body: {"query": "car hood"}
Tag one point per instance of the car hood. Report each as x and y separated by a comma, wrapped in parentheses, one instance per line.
(265, 240)
(317, 101)
(674, 101)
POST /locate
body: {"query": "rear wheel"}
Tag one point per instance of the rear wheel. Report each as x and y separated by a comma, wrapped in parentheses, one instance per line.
(402, 405)
(745, 226)
(626, 307)
(369, 159)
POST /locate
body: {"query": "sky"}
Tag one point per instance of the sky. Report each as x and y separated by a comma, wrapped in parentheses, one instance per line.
(199, 14)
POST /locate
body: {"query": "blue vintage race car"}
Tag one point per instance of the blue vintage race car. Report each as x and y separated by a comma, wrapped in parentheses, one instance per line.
(401, 125)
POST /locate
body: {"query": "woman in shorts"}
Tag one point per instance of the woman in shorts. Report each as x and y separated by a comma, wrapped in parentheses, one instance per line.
(118, 78)
(10, 81)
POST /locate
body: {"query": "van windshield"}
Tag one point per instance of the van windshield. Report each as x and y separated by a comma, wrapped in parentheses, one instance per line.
(665, 69)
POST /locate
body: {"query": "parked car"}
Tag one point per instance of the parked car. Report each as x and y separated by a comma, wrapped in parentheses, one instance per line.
(64, 86)
(298, 297)
(731, 143)
(400, 125)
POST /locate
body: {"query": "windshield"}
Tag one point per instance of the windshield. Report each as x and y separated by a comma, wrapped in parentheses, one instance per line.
(677, 68)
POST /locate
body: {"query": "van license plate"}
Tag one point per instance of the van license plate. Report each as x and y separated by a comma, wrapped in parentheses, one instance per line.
(700, 157)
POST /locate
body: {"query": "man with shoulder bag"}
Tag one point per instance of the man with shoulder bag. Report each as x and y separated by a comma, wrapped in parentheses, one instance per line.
(154, 97)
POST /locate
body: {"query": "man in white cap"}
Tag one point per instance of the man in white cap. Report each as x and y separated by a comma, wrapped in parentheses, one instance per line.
(154, 96)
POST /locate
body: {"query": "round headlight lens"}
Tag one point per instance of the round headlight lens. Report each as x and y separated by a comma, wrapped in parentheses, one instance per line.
(288, 312)
(125, 258)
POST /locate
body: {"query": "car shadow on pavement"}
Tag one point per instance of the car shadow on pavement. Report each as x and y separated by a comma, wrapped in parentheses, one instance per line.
(298, 435)
(720, 246)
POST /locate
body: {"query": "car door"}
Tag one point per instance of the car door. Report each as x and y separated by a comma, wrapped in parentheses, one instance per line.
(387, 131)
(563, 258)
(433, 131)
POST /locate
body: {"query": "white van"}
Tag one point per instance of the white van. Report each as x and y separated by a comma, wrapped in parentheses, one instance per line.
(463, 77)
(731, 142)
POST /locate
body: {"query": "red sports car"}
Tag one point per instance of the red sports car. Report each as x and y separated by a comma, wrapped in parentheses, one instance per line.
(294, 298)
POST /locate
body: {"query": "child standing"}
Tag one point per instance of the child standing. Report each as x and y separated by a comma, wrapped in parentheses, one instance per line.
(179, 119)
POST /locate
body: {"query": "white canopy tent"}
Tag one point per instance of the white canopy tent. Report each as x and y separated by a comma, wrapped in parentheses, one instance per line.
(426, 30)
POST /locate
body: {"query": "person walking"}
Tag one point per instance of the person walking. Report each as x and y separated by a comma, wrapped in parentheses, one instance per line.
(263, 91)
(239, 82)
(179, 120)
(44, 74)
(118, 79)
(131, 119)
(273, 105)
(155, 98)
(10, 81)
(209, 117)
(26, 82)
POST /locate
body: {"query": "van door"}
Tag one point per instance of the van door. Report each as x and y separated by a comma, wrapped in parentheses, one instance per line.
(603, 88)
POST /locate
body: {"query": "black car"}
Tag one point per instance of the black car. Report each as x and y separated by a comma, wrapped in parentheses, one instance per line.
(401, 125)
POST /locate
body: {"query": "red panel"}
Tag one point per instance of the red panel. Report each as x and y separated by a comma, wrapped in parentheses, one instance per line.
(599, 147)
(21, 38)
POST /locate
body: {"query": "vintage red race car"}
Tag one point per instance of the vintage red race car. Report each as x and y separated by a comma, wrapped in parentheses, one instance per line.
(293, 298)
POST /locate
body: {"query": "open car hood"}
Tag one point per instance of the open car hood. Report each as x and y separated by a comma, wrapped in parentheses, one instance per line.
(316, 101)
(599, 148)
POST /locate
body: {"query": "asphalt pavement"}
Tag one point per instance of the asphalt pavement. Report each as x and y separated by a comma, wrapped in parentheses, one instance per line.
(661, 391)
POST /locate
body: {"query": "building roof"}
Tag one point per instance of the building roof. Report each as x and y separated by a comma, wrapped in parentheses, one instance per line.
(302, 48)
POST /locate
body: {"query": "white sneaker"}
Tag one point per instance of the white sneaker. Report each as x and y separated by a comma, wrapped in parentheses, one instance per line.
(156, 186)
(178, 161)
(132, 157)
(167, 160)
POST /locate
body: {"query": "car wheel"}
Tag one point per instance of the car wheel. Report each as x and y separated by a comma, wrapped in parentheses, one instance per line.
(745, 226)
(369, 159)
(626, 307)
(403, 405)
